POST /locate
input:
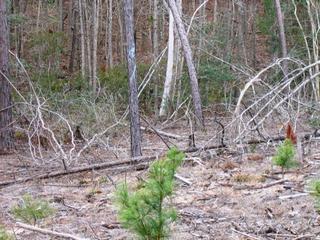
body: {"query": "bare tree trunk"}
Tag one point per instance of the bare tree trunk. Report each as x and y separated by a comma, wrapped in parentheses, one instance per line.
(254, 34)
(60, 4)
(121, 48)
(155, 40)
(88, 40)
(39, 14)
(215, 12)
(202, 24)
(169, 72)
(109, 34)
(83, 58)
(315, 26)
(282, 35)
(74, 35)
(132, 74)
(188, 56)
(179, 62)
(6, 136)
(96, 12)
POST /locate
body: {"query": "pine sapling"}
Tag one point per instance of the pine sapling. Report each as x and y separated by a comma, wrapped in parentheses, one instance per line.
(4, 235)
(144, 211)
(314, 190)
(31, 210)
(284, 157)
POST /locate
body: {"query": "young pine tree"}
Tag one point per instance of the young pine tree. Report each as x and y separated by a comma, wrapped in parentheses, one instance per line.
(284, 157)
(144, 211)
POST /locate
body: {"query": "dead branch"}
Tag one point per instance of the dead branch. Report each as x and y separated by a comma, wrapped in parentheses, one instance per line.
(49, 232)
(80, 169)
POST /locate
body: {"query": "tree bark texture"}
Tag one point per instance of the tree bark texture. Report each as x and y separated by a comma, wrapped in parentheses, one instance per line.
(132, 74)
(6, 137)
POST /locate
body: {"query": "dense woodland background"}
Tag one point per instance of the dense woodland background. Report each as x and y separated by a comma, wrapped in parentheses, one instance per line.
(74, 53)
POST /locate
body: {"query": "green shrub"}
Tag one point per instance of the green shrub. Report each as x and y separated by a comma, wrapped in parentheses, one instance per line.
(144, 211)
(314, 189)
(284, 157)
(31, 210)
(4, 235)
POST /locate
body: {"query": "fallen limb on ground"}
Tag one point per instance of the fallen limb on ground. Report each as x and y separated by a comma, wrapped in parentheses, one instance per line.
(131, 162)
(49, 232)
(80, 169)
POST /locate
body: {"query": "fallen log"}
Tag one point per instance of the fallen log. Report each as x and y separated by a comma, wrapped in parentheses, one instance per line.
(79, 170)
(138, 160)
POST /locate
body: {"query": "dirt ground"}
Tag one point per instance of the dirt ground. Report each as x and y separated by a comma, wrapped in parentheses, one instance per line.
(233, 195)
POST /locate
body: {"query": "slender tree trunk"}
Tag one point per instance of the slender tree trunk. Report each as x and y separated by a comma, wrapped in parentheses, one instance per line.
(169, 72)
(38, 15)
(74, 36)
(96, 12)
(202, 24)
(282, 35)
(215, 12)
(88, 41)
(254, 34)
(132, 73)
(109, 53)
(188, 56)
(155, 40)
(82, 36)
(6, 136)
(315, 26)
(60, 4)
(179, 62)
(121, 45)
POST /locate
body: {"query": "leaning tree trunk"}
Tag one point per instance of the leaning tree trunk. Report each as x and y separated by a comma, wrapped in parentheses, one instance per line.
(282, 35)
(6, 137)
(132, 73)
(188, 56)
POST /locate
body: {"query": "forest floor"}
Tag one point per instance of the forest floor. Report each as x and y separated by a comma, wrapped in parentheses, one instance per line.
(233, 194)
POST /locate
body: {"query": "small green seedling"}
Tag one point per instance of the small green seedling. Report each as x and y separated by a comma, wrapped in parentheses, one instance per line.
(314, 190)
(31, 210)
(284, 157)
(145, 211)
(4, 235)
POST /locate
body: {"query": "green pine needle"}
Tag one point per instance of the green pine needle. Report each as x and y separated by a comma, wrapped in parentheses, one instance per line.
(285, 155)
(31, 210)
(145, 211)
(4, 235)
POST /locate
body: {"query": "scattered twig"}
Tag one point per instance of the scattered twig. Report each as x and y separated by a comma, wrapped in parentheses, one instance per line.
(294, 196)
(271, 184)
(246, 234)
(182, 179)
(155, 131)
(49, 232)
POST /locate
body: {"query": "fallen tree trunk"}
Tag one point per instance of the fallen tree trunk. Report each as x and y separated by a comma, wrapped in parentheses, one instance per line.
(138, 160)
(79, 170)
